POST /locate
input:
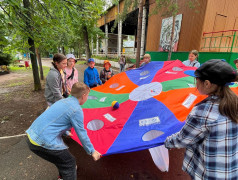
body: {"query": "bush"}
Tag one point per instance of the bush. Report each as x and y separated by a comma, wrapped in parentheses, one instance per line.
(5, 59)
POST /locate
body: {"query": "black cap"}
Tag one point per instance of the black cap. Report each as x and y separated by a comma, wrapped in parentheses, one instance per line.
(217, 72)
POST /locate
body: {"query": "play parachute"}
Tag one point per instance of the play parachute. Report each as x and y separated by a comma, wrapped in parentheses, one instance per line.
(154, 103)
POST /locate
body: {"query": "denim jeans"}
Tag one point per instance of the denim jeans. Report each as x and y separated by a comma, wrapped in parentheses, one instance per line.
(62, 159)
(122, 67)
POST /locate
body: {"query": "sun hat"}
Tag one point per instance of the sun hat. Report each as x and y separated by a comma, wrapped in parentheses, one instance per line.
(105, 62)
(71, 56)
(216, 71)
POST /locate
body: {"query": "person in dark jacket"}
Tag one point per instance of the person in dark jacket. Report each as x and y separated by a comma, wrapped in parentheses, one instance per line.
(55, 86)
(91, 76)
(107, 72)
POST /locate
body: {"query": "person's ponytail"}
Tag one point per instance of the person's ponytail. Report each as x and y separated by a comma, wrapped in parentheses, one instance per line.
(228, 103)
(54, 65)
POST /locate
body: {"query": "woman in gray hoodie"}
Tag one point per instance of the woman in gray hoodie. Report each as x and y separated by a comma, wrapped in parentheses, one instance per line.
(55, 86)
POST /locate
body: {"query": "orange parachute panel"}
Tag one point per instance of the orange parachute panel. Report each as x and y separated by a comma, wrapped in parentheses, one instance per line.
(180, 101)
(118, 84)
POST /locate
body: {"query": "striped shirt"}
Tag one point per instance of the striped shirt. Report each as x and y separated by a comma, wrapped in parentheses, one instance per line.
(211, 142)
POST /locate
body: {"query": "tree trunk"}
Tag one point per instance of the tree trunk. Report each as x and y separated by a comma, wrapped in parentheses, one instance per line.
(139, 27)
(171, 41)
(87, 48)
(119, 38)
(63, 51)
(37, 84)
(76, 53)
(40, 63)
(92, 46)
(79, 50)
(97, 46)
(106, 39)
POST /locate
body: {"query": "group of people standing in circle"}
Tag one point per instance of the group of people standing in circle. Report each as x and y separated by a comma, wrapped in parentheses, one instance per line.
(63, 75)
(210, 134)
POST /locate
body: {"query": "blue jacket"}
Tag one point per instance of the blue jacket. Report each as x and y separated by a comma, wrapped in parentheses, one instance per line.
(48, 128)
(91, 77)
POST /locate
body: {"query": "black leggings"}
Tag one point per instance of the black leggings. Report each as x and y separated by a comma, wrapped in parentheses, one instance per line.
(92, 86)
(62, 159)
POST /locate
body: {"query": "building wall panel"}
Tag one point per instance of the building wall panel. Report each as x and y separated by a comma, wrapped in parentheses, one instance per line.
(191, 27)
(204, 18)
(227, 9)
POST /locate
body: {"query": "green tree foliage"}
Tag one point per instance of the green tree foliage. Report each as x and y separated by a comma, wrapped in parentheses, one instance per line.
(5, 58)
(51, 24)
(55, 23)
(3, 39)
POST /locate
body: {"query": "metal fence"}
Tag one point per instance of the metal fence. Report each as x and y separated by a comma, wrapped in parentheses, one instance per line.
(131, 55)
(220, 41)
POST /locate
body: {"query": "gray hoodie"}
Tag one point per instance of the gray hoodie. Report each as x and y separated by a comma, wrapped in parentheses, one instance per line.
(53, 86)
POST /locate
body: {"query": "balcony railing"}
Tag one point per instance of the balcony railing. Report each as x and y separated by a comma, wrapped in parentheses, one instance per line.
(220, 41)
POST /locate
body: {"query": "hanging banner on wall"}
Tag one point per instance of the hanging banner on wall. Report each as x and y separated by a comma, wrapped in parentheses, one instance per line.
(166, 31)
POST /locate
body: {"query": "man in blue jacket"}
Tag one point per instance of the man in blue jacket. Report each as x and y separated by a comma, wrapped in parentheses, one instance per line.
(91, 76)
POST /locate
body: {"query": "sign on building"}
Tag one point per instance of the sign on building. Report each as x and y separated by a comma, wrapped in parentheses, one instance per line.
(166, 31)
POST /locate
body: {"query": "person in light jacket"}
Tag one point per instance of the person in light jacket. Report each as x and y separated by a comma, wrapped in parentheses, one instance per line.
(45, 133)
(192, 59)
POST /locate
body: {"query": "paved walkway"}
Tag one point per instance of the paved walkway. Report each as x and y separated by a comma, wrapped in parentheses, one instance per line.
(17, 162)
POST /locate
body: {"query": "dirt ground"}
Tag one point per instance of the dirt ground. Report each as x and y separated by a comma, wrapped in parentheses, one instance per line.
(20, 106)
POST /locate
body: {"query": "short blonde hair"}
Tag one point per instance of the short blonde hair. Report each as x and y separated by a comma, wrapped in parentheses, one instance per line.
(147, 56)
(79, 89)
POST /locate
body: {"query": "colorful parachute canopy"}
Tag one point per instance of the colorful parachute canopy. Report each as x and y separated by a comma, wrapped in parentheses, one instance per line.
(154, 103)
